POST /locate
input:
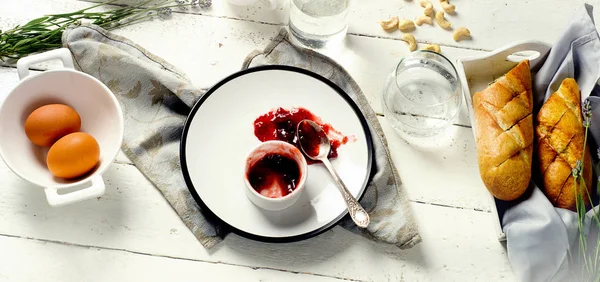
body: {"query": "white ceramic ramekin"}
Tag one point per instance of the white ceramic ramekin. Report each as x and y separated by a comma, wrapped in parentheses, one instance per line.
(287, 150)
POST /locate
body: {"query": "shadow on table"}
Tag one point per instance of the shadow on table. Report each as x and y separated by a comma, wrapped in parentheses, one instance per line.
(42, 219)
(314, 252)
(436, 143)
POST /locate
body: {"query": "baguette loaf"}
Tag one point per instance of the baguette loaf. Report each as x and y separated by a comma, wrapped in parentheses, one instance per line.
(504, 130)
(560, 137)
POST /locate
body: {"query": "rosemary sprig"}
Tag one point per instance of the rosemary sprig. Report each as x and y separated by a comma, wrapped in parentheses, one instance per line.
(45, 33)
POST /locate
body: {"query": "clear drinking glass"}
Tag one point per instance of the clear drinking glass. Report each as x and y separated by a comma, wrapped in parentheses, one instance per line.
(317, 23)
(422, 96)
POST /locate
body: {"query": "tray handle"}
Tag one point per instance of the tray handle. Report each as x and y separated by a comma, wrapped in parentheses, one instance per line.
(535, 51)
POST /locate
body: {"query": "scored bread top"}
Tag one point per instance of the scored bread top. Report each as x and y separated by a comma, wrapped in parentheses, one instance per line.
(560, 134)
(504, 127)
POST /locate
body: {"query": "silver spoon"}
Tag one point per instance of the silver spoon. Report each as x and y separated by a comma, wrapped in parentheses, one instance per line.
(315, 144)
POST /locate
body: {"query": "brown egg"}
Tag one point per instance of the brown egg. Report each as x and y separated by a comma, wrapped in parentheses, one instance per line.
(73, 155)
(49, 123)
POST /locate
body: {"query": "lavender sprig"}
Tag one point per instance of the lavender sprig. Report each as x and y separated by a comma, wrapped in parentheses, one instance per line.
(164, 12)
(586, 110)
(591, 265)
(45, 33)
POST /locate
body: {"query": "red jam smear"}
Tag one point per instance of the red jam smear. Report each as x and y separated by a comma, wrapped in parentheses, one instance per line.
(274, 175)
(280, 124)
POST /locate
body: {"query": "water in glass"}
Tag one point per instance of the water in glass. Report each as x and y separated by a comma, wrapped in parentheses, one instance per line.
(317, 23)
(422, 96)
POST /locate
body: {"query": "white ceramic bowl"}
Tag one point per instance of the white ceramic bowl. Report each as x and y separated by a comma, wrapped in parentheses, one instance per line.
(287, 150)
(100, 114)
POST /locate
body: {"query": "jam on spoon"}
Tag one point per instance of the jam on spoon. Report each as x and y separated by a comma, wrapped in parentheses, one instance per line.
(315, 144)
(281, 124)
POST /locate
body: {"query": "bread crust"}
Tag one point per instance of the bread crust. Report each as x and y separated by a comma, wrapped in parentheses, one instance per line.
(504, 130)
(560, 136)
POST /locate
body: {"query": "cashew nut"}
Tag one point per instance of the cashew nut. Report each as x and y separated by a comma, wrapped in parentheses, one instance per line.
(460, 33)
(389, 24)
(428, 7)
(442, 22)
(447, 7)
(424, 19)
(410, 39)
(432, 47)
(406, 25)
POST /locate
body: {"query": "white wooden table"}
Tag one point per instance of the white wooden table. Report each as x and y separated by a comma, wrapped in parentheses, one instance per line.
(132, 234)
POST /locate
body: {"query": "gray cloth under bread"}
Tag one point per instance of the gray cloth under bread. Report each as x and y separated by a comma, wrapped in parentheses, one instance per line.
(542, 241)
(156, 98)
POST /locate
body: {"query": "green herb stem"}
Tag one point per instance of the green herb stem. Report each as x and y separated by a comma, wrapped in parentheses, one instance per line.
(589, 271)
(45, 33)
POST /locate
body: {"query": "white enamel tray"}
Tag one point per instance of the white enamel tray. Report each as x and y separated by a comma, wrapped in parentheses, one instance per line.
(476, 73)
(219, 133)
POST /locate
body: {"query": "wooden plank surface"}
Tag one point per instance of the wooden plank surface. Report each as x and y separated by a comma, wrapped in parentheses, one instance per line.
(441, 171)
(133, 216)
(493, 23)
(133, 226)
(211, 48)
(40, 260)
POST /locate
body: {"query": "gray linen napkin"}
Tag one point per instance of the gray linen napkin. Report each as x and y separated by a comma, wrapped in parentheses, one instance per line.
(156, 98)
(542, 241)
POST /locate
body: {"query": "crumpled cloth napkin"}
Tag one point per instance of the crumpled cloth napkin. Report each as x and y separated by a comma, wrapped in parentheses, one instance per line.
(156, 98)
(543, 241)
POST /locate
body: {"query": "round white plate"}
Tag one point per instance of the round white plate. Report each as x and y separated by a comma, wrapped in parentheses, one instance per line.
(219, 133)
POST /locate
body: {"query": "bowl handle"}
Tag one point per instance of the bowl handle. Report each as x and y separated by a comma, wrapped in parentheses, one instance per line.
(95, 190)
(63, 54)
